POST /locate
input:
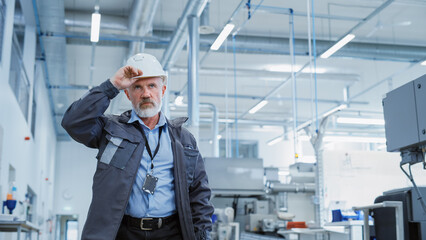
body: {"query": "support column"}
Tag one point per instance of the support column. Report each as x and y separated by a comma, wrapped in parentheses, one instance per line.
(317, 143)
(166, 108)
(193, 65)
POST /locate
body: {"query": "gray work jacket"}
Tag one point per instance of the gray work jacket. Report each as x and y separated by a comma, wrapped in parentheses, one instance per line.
(122, 144)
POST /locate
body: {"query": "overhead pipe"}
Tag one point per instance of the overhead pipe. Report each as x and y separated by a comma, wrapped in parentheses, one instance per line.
(270, 45)
(219, 95)
(250, 44)
(274, 187)
(80, 19)
(193, 7)
(268, 75)
(279, 87)
(134, 20)
(143, 23)
(264, 75)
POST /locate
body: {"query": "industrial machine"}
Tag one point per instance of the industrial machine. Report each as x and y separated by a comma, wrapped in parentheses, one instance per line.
(405, 125)
(414, 217)
(258, 199)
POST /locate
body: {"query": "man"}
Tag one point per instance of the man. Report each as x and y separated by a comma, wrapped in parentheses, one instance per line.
(150, 181)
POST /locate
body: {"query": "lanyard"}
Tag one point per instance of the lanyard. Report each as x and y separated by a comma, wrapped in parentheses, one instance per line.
(149, 149)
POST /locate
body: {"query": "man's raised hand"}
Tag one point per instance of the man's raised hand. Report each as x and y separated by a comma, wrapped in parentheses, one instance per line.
(123, 78)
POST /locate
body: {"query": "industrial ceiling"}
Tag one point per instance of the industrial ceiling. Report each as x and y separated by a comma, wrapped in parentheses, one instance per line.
(387, 51)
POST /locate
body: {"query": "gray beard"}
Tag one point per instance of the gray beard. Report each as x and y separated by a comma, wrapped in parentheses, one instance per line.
(148, 112)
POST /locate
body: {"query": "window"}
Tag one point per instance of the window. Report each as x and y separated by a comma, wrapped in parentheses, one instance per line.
(246, 148)
(18, 79)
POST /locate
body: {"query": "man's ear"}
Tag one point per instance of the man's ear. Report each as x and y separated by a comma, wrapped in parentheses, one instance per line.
(163, 89)
(127, 93)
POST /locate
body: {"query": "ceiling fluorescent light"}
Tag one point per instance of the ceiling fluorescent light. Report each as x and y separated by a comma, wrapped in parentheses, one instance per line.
(222, 36)
(179, 100)
(287, 68)
(338, 46)
(335, 109)
(258, 107)
(96, 25)
(356, 139)
(423, 63)
(363, 121)
(275, 140)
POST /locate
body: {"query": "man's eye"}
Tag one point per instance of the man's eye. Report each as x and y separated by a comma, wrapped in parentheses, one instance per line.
(151, 85)
(137, 87)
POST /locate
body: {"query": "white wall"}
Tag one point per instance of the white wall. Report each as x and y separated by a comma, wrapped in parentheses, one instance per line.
(358, 177)
(32, 159)
(75, 167)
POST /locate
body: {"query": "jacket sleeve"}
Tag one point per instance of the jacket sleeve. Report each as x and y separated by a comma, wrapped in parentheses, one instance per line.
(84, 119)
(201, 207)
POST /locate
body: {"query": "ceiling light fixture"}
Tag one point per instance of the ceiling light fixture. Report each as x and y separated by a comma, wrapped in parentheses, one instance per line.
(287, 68)
(275, 140)
(423, 63)
(334, 110)
(222, 36)
(338, 46)
(179, 100)
(356, 139)
(363, 121)
(96, 25)
(258, 106)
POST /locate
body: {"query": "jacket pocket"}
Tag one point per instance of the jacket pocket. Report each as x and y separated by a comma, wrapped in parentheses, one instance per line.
(191, 156)
(117, 152)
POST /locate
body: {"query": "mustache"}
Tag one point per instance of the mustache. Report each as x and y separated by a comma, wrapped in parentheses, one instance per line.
(146, 100)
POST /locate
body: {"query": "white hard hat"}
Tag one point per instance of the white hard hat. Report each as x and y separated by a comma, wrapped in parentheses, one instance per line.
(149, 65)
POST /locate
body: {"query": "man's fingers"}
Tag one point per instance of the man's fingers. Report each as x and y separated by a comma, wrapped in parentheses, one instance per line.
(128, 72)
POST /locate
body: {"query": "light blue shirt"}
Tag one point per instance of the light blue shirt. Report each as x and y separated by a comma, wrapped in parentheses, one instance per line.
(162, 202)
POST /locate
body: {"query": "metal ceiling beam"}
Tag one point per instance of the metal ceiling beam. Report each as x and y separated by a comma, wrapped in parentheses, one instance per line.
(218, 95)
(49, 16)
(269, 75)
(252, 97)
(140, 22)
(272, 45)
(177, 42)
(278, 88)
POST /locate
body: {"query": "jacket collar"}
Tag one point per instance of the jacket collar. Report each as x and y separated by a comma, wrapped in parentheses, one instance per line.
(177, 122)
(125, 116)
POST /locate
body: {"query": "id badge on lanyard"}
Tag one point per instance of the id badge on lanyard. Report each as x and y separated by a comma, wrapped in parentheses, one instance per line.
(150, 180)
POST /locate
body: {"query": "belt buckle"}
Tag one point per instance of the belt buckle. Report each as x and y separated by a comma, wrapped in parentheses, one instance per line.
(146, 229)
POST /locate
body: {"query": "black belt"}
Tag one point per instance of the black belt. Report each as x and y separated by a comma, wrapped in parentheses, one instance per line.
(148, 224)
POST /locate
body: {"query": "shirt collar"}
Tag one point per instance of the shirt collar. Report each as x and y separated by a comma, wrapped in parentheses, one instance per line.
(134, 117)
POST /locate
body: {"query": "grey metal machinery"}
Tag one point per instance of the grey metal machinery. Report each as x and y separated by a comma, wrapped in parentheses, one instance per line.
(405, 126)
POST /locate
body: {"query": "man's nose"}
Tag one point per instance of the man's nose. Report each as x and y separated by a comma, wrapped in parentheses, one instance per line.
(145, 93)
